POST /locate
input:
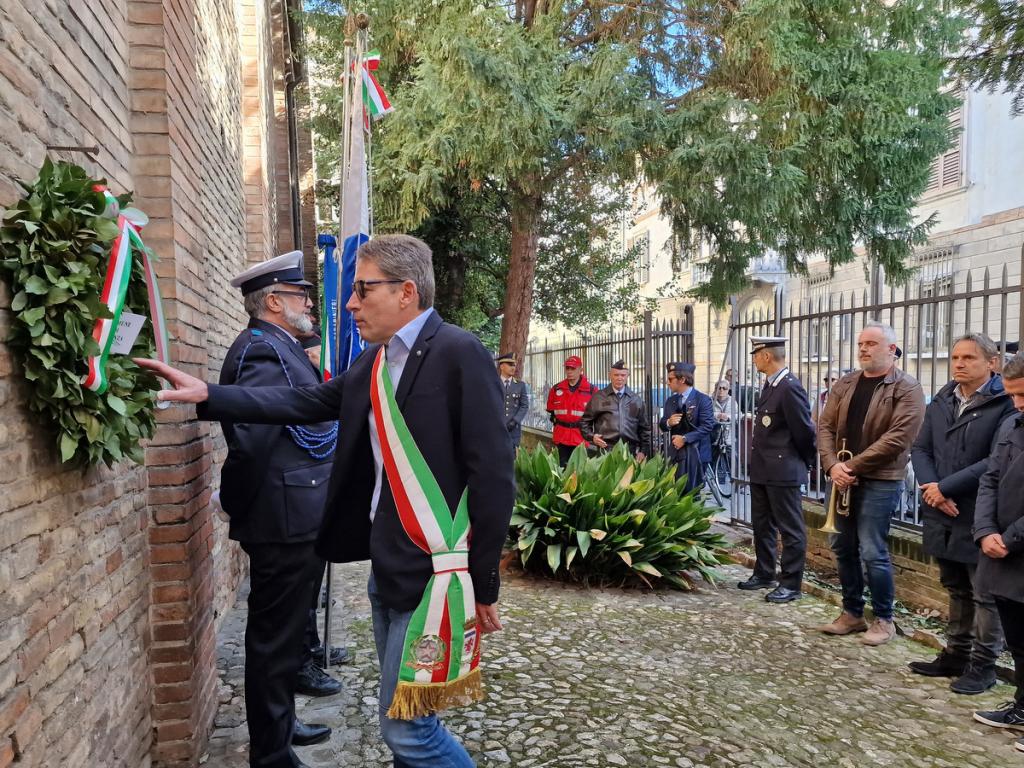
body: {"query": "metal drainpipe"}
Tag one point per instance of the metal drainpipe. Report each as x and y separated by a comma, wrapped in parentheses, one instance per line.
(291, 81)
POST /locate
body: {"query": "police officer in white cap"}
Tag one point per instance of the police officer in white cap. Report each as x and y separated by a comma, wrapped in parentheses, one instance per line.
(273, 487)
(782, 449)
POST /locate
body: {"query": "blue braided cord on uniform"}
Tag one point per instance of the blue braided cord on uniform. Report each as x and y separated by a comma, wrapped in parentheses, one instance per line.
(319, 445)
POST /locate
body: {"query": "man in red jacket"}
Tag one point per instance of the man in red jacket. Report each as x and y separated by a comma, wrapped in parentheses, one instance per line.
(566, 402)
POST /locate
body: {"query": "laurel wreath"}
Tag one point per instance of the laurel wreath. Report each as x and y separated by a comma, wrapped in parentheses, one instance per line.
(54, 248)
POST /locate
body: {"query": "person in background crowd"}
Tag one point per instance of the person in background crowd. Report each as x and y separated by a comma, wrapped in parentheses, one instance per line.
(617, 413)
(725, 416)
(781, 450)
(566, 402)
(878, 412)
(689, 418)
(1010, 349)
(517, 399)
(950, 455)
(819, 403)
(999, 531)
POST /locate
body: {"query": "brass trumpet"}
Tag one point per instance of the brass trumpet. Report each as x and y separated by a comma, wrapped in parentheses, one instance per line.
(838, 501)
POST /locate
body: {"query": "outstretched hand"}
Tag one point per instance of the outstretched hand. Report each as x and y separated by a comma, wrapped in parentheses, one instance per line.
(186, 389)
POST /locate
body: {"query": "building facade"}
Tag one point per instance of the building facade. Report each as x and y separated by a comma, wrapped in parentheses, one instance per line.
(114, 581)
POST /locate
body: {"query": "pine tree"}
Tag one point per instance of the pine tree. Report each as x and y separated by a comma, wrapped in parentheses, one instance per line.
(994, 55)
(766, 125)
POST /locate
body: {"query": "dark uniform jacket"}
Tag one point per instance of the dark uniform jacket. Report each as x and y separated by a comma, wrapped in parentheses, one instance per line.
(782, 445)
(273, 489)
(615, 418)
(1000, 509)
(517, 403)
(451, 401)
(953, 451)
(696, 426)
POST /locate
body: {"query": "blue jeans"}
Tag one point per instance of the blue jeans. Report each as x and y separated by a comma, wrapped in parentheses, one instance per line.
(862, 546)
(423, 742)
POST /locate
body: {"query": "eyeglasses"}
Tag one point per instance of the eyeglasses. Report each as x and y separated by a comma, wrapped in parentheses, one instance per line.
(303, 294)
(723, 389)
(359, 286)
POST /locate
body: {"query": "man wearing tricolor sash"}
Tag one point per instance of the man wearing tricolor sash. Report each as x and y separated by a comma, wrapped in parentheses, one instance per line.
(422, 485)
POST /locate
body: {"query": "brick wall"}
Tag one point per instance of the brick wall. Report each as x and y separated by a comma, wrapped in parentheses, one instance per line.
(114, 580)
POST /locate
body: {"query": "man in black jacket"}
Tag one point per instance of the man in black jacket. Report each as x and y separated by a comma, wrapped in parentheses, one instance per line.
(950, 455)
(450, 401)
(617, 413)
(782, 448)
(273, 487)
(999, 531)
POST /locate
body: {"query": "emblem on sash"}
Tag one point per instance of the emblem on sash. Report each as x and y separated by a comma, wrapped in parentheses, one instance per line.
(428, 652)
(469, 644)
(766, 420)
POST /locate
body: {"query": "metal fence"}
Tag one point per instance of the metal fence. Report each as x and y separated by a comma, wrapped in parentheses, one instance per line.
(647, 348)
(928, 316)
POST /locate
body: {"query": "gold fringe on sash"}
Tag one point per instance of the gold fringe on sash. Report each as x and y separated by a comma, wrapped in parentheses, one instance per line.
(412, 700)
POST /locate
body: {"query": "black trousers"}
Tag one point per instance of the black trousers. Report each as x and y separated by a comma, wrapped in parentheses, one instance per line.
(1011, 614)
(280, 579)
(774, 510)
(564, 452)
(311, 637)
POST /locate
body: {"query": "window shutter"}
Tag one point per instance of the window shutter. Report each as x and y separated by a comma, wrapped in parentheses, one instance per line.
(946, 170)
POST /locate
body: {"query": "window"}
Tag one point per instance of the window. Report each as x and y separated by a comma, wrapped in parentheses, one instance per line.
(641, 246)
(935, 316)
(947, 169)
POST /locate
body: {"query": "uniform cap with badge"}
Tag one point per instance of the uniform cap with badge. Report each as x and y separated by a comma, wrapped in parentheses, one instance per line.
(286, 268)
(620, 365)
(757, 343)
(507, 357)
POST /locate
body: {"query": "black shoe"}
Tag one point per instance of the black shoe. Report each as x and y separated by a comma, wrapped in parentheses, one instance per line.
(783, 595)
(976, 680)
(756, 582)
(339, 655)
(1010, 715)
(943, 665)
(313, 681)
(309, 733)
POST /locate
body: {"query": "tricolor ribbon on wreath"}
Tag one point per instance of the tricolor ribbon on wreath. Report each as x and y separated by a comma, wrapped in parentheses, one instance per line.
(115, 289)
(441, 649)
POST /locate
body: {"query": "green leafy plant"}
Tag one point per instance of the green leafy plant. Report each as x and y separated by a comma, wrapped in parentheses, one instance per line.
(54, 247)
(611, 519)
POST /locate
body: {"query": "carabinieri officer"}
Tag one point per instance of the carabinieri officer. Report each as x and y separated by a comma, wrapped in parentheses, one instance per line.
(782, 449)
(517, 397)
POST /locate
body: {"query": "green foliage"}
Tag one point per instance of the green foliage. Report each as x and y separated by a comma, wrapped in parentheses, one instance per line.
(768, 125)
(611, 519)
(54, 246)
(994, 54)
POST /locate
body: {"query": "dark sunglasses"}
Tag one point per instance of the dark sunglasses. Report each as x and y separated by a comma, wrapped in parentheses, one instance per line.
(359, 286)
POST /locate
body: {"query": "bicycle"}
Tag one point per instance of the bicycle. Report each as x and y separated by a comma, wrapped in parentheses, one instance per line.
(718, 474)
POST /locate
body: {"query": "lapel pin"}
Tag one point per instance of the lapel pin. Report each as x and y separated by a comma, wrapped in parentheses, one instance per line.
(419, 352)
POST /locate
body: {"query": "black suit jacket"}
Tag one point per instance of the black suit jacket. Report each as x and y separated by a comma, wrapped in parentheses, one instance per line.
(782, 446)
(452, 402)
(273, 489)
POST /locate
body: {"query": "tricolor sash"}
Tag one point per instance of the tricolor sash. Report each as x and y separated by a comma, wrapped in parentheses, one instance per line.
(441, 650)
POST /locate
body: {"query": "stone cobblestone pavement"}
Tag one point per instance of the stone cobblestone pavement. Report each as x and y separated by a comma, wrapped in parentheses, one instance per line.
(626, 678)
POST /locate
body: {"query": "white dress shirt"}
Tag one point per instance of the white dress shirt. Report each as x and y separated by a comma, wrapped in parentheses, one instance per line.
(396, 354)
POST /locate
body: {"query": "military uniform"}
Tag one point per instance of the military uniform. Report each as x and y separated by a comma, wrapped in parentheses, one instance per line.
(517, 402)
(782, 447)
(273, 487)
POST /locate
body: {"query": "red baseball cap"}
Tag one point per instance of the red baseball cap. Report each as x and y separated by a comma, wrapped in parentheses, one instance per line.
(573, 362)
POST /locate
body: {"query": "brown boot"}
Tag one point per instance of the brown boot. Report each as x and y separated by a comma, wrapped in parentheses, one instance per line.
(881, 632)
(846, 624)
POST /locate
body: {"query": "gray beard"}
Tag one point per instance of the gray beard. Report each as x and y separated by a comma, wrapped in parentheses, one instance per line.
(298, 320)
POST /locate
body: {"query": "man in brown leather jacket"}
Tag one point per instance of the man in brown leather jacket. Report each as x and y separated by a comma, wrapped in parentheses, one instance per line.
(617, 414)
(877, 411)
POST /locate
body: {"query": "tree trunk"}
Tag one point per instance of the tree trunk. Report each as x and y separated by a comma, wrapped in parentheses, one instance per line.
(522, 266)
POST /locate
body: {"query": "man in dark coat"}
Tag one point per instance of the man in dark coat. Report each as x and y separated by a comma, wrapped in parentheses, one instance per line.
(781, 451)
(517, 397)
(689, 418)
(999, 531)
(450, 402)
(273, 487)
(617, 413)
(950, 455)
